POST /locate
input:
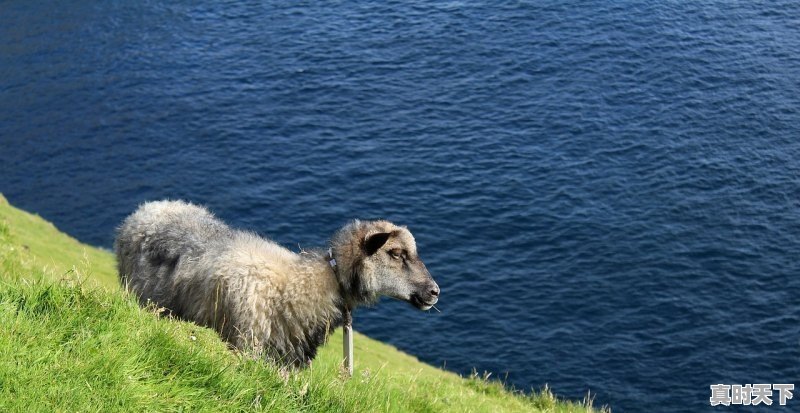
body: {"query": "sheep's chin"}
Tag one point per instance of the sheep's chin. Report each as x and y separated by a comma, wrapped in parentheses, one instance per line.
(416, 301)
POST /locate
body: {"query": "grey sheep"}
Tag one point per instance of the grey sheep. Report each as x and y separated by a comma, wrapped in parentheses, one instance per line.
(257, 294)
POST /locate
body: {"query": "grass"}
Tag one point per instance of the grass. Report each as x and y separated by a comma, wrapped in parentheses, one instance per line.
(72, 341)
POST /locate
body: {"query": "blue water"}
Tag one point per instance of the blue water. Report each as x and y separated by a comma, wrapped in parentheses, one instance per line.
(608, 194)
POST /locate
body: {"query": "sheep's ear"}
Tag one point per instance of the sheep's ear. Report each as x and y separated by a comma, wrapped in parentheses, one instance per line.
(374, 242)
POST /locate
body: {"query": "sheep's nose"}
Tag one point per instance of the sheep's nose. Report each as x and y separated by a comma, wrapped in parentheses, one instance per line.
(435, 291)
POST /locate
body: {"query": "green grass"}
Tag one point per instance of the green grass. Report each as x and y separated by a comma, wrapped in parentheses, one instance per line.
(72, 341)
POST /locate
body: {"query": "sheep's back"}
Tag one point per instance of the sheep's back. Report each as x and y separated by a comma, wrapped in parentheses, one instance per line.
(159, 238)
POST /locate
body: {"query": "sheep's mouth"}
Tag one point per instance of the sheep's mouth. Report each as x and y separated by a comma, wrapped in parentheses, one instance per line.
(421, 304)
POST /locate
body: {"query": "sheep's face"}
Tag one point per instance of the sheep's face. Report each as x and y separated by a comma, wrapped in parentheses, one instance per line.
(391, 267)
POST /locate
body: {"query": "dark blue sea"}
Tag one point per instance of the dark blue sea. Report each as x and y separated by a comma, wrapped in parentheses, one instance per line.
(608, 193)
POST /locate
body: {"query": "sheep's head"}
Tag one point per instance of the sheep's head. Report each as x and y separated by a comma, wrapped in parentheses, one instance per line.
(378, 258)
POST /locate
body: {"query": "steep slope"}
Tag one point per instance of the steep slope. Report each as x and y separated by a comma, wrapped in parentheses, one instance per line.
(72, 341)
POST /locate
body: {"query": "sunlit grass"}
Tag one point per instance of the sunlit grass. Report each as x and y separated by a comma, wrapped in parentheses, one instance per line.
(72, 341)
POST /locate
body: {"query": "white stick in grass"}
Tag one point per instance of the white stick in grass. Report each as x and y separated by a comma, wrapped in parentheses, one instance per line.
(347, 344)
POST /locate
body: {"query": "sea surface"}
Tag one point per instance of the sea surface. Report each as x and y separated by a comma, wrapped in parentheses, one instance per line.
(608, 193)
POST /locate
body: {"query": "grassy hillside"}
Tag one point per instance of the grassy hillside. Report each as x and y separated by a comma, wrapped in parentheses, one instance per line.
(72, 341)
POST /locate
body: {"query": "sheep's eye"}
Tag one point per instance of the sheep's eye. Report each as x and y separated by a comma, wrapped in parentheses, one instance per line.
(396, 254)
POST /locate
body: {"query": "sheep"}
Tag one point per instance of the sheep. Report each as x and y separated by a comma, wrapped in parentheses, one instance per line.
(256, 294)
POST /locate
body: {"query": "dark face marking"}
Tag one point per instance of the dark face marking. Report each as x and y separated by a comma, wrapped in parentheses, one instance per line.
(425, 292)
